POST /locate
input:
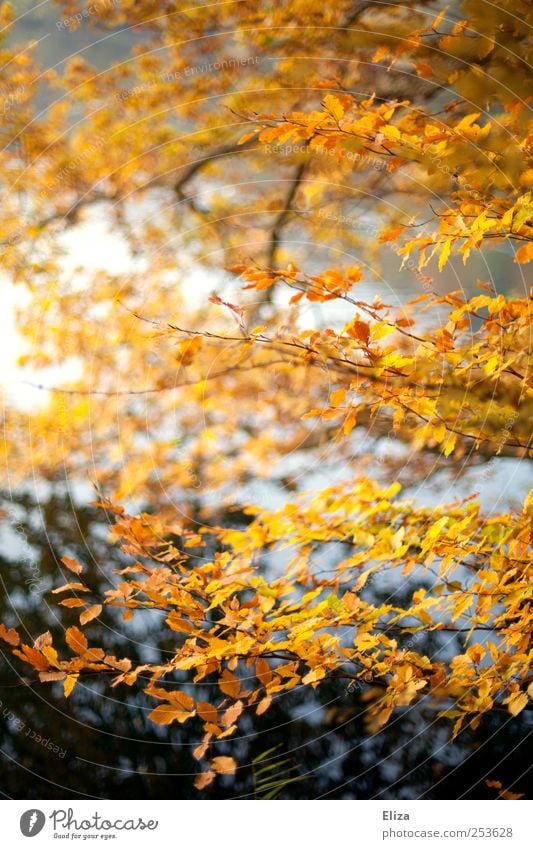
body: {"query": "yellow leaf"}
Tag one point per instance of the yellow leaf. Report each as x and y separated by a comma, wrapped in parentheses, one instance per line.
(314, 676)
(334, 106)
(69, 684)
(381, 329)
(337, 397)
(379, 54)
(517, 703)
(438, 20)
(349, 422)
(449, 445)
(51, 655)
(445, 253)
(491, 365)
(200, 750)
(263, 705)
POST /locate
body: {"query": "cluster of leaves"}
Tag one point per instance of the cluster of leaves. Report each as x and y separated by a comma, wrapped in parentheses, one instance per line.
(489, 201)
(258, 638)
(453, 383)
(451, 378)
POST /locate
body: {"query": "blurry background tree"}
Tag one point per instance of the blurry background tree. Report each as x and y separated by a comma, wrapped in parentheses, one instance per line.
(167, 146)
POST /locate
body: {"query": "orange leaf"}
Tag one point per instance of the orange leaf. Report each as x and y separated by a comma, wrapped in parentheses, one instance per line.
(9, 635)
(37, 660)
(247, 137)
(69, 684)
(200, 750)
(359, 330)
(73, 565)
(73, 586)
(232, 713)
(203, 779)
(391, 235)
(207, 712)
(76, 640)
(92, 655)
(51, 655)
(516, 703)
(229, 684)
(380, 53)
(124, 665)
(263, 705)
(224, 765)
(166, 714)
(91, 613)
(337, 397)
(52, 675)
(263, 671)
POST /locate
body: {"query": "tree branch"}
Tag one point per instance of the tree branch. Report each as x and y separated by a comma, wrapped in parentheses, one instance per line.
(279, 223)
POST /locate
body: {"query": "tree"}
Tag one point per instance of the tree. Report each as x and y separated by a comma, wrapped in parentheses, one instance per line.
(225, 135)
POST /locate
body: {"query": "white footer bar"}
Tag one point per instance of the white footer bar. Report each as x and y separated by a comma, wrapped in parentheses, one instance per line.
(249, 825)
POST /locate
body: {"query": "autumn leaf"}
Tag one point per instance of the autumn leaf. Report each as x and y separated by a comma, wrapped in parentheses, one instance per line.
(337, 397)
(505, 794)
(229, 684)
(76, 640)
(263, 705)
(263, 671)
(232, 713)
(204, 779)
(72, 564)
(359, 330)
(91, 613)
(72, 586)
(524, 253)
(32, 656)
(168, 713)
(224, 765)
(207, 712)
(516, 703)
(69, 684)
(334, 106)
(52, 675)
(43, 640)
(9, 635)
(314, 676)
